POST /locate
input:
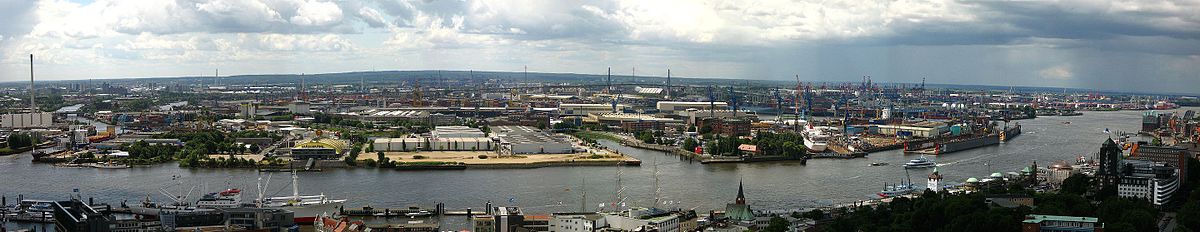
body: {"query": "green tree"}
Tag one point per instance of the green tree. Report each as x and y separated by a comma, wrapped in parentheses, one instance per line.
(1077, 184)
(690, 144)
(777, 224)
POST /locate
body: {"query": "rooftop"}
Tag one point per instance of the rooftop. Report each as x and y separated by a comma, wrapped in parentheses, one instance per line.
(1038, 218)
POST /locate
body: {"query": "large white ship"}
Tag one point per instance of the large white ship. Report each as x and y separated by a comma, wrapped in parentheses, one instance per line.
(816, 139)
(306, 208)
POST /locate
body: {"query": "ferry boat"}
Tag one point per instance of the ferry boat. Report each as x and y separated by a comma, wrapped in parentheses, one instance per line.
(306, 208)
(920, 162)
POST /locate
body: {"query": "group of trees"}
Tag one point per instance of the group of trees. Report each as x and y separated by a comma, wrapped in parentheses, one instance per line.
(689, 144)
(786, 144)
(653, 137)
(20, 140)
(723, 145)
(144, 152)
(197, 146)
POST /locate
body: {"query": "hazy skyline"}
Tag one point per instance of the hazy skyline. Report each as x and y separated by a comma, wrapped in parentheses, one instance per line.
(1130, 46)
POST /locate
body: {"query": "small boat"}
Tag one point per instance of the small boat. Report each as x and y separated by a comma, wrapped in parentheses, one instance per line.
(897, 190)
(876, 164)
(903, 188)
(1067, 123)
(920, 162)
(109, 165)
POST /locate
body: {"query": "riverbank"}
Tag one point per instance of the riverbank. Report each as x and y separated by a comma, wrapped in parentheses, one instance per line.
(491, 160)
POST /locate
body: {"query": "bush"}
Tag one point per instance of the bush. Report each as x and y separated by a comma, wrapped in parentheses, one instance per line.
(482, 156)
(419, 157)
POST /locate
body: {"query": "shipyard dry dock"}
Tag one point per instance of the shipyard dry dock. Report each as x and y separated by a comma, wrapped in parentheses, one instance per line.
(961, 143)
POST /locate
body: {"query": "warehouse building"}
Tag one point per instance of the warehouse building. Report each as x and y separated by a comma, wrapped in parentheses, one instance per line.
(448, 132)
(926, 129)
(27, 120)
(398, 144)
(427, 144)
(672, 106)
(528, 140)
(567, 109)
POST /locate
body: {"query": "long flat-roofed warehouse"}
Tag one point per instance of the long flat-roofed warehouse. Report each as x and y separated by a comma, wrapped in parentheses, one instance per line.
(529, 140)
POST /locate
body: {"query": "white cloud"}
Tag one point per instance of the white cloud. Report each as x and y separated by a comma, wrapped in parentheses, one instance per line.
(317, 13)
(1058, 72)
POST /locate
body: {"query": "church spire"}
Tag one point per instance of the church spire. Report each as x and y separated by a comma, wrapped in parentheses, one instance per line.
(741, 197)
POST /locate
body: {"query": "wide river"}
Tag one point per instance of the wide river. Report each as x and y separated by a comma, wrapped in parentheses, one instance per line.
(683, 184)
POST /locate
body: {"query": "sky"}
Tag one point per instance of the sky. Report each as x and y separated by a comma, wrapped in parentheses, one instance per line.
(1137, 46)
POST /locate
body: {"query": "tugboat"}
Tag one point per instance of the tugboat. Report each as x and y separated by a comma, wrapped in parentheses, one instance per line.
(920, 162)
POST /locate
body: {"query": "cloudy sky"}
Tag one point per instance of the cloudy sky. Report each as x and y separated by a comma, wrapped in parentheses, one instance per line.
(1119, 45)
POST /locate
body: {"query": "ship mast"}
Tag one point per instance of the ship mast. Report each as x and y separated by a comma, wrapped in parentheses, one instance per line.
(295, 185)
(657, 190)
(583, 203)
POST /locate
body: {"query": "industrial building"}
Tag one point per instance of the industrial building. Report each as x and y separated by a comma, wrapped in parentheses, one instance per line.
(442, 138)
(398, 144)
(389, 115)
(629, 122)
(672, 106)
(447, 132)
(321, 149)
(529, 140)
(27, 120)
(927, 129)
(567, 109)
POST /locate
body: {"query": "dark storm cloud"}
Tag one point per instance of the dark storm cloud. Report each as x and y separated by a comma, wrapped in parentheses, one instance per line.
(1163, 30)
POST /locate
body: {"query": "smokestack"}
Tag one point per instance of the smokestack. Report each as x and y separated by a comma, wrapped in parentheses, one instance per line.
(668, 84)
(32, 95)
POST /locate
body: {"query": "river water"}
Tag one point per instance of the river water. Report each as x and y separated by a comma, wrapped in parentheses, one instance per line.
(683, 183)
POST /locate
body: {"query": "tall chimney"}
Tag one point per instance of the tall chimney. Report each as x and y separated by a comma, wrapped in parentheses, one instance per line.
(668, 84)
(32, 95)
